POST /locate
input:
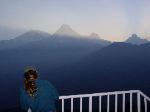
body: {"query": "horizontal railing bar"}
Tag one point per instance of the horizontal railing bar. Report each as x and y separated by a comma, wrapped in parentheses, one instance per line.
(98, 94)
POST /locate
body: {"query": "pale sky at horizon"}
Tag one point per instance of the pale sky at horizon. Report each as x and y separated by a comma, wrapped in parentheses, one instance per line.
(113, 20)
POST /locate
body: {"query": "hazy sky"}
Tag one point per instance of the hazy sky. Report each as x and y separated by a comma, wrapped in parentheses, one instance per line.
(111, 19)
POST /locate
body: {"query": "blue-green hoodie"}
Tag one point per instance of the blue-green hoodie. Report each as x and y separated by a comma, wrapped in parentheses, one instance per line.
(44, 101)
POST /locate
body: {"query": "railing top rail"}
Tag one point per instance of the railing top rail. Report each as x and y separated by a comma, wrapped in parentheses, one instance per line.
(145, 96)
(98, 94)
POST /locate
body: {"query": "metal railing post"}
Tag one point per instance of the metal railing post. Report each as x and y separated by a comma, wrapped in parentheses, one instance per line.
(80, 104)
(145, 104)
(108, 103)
(123, 103)
(62, 105)
(90, 103)
(138, 102)
(130, 102)
(100, 104)
(71, 104)
(116, 102)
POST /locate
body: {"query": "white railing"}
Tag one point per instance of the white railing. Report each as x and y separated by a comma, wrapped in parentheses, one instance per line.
(138, 93)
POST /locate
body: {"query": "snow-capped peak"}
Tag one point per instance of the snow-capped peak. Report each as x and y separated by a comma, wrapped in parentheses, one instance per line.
(135, 39)
(66, 30)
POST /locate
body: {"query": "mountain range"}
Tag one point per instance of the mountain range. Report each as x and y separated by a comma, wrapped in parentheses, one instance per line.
(65, 31)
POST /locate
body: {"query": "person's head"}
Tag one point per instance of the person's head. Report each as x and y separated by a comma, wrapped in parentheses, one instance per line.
(30, 74)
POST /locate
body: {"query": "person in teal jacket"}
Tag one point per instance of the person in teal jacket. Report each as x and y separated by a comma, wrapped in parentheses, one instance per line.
(38, 95)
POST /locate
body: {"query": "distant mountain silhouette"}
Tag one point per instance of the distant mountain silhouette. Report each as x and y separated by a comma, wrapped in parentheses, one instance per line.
(30, 36)
(134, 39)
(33, 35)
(97, 37)
(94, 35)
(7, 33)
(66, 30)
(64, 34)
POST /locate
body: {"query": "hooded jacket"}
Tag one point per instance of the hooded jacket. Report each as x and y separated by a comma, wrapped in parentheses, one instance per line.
(44, 101)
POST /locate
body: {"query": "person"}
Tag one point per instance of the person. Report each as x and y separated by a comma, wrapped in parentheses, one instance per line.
(37, 95)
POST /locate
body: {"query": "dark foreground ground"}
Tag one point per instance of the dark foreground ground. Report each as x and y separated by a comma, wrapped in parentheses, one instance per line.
(78, 110)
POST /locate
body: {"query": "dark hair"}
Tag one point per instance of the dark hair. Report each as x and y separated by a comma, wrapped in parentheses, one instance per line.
(30, 72)
(26, 77)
